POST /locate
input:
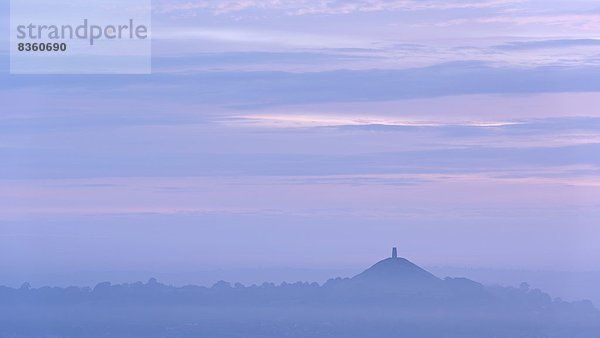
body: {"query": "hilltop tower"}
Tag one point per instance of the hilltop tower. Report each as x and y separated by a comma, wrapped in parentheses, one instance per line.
(394, 252)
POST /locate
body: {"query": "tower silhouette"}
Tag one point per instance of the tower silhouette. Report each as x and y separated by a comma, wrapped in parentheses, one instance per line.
(394, 252)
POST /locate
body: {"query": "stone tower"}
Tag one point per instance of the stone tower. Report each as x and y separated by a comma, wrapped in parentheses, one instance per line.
(394, 252)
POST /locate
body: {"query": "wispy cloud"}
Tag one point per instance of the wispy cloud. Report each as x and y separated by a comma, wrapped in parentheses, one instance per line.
(304, 7)
(542, 44)
(584, 21)
(257, 36)
(342, 194)
(286, 121)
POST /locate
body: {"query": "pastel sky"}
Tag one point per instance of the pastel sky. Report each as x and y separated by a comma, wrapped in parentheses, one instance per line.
(314, 134)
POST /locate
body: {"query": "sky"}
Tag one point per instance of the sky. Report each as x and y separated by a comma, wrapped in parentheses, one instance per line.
(314, 134)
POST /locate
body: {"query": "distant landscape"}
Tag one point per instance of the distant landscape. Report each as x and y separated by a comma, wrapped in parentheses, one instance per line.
(568, 285)
(393, 298)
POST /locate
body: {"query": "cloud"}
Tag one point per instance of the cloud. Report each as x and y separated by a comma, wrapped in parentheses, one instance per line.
(361, 194)
(306, 7)
(249, 60)
(253, 89)
(257, 37)
(542, 44)
(420, 151)
(580, 21)
(295, 120)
